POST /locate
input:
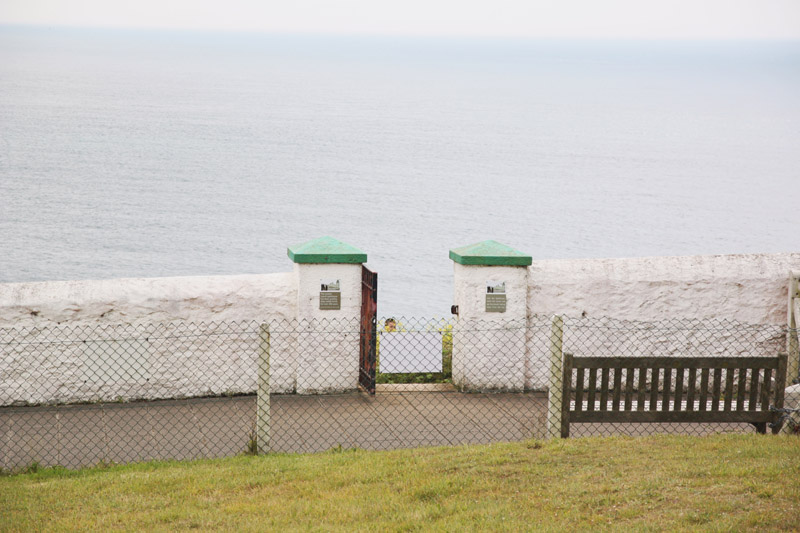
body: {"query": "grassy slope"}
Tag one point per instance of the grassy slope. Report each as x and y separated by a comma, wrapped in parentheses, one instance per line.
(654, 483)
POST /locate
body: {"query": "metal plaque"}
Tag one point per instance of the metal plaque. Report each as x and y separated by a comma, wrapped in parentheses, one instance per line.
(330, 301)
(330, 295)
(495, 303)
(495, 296)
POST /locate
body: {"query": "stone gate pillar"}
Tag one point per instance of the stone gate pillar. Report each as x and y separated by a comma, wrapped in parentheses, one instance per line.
(328, 310)
(489, 340)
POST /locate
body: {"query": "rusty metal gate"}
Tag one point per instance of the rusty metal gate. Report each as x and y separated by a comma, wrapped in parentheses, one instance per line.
(369, 311)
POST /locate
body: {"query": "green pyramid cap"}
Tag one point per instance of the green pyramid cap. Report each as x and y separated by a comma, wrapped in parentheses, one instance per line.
(326, 250)
(489, 253)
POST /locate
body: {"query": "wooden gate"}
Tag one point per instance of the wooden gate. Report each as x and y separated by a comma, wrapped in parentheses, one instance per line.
(369, 312)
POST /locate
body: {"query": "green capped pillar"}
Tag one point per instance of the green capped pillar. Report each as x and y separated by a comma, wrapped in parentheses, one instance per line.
(328, 275)
(491, 292)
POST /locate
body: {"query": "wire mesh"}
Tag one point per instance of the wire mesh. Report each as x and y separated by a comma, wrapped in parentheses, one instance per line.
(85, 394)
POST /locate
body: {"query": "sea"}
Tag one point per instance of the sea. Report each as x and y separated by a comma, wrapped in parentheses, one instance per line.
(127, 153)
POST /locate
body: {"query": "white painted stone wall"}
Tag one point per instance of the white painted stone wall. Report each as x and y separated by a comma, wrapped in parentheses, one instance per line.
(80, 310)
(328, 345)
(747, 288)
(489, 356)
(71, 363)
(141, 300)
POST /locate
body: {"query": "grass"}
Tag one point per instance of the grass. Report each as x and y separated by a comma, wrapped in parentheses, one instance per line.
(413, 377)
(659, 483)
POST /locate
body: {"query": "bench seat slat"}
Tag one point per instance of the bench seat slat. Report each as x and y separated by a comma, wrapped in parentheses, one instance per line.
(629, 389)
(754, 375)
(676, 362)
(728, 390)
(590, 396)
(641, 389)
(766, 389)
(666, 391)
(717, 392)
(740, 389)
(692, 388)
(655, 376)
(604, 389)
(704, 389)
(678, 389)
(671, 416)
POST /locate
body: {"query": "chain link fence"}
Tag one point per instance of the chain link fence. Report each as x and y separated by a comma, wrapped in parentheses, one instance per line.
(84, 394)
(87, 394)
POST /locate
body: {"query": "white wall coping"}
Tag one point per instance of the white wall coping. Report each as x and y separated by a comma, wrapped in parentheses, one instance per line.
(666, 268)
(238, 297)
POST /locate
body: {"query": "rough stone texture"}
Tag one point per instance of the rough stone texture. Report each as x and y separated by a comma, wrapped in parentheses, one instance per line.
(483, 357)
(470, 290)
(119, 361)
(746, 288)
(140, 300)
(749, 288)
(328, 347)
(92, 363)
(537, 373)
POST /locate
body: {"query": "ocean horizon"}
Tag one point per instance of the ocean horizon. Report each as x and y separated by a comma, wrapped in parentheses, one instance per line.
(155, 153)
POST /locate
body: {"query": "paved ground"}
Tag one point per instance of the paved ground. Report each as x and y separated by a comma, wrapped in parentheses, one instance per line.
(81, 435)
(396, 417)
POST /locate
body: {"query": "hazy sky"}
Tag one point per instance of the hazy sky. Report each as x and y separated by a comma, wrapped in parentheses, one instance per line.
(670, 19)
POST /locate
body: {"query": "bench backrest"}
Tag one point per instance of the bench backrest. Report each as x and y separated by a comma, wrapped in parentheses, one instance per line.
(672, 389)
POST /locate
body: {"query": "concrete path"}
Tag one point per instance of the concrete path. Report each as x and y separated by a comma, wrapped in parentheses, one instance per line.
(81, 435)
(400, 416)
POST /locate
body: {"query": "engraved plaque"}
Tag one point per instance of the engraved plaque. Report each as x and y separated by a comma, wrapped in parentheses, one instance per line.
(495, 296)
(330, 295)
(330, 301)
(495, 303)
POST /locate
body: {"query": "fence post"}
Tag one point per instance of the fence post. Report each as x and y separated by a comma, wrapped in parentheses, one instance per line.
(793, 317)
(262, 398)
(556, 385)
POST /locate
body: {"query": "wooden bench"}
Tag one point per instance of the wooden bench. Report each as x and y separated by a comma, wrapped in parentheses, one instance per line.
(679, 389)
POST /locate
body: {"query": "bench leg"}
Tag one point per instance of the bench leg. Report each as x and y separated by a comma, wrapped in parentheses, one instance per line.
(761, 427)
